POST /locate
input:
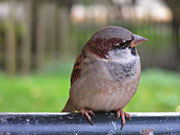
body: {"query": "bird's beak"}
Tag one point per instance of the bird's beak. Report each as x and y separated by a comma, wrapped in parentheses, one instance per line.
(137, 40)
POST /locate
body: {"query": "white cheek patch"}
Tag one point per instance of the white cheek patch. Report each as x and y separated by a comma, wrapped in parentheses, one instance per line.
(123, 55)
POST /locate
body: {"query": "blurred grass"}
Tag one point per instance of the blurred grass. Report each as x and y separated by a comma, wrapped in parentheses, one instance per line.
(159, 90)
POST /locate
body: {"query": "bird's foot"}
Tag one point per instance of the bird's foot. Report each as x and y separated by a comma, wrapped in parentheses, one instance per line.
(86, 113)
(119, 113)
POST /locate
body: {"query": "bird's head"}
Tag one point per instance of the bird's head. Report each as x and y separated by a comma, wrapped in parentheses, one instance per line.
(114, 42)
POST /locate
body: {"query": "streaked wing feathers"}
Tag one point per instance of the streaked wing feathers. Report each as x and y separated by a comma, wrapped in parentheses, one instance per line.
(77, 67)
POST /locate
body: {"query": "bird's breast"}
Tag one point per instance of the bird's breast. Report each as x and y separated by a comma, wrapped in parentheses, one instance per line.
(112, 70)
(121, 71)
(105, 85)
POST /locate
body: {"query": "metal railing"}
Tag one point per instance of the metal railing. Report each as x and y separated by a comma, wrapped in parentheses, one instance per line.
(105, 124)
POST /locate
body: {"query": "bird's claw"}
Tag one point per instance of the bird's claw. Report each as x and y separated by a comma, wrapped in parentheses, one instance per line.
(119, 113)
(86, 113)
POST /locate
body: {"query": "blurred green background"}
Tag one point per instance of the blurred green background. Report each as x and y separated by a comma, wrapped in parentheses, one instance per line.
(40, 39)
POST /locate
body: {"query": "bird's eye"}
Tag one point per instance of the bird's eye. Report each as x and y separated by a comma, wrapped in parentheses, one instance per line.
(123, 44)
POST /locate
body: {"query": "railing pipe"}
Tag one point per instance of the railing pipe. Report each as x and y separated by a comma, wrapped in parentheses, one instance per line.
(74, 124)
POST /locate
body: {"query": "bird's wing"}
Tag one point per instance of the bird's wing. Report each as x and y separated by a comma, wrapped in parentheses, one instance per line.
(77, 67)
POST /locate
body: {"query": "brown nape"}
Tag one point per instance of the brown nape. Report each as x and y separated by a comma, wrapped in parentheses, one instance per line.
(100, 47)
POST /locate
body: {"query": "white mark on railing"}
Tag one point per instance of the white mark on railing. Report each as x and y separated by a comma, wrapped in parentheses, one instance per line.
(5, 123)
(114, 125)
(27, 120)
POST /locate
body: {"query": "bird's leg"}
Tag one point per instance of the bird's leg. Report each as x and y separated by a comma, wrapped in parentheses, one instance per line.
(119, 113)
(86, 113)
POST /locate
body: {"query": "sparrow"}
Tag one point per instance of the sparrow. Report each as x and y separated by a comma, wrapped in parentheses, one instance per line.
(106, 73)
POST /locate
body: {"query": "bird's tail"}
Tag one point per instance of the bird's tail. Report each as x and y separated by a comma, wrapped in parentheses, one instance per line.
(68, 107)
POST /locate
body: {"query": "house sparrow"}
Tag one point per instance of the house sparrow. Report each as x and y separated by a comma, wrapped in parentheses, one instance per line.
(106, 73)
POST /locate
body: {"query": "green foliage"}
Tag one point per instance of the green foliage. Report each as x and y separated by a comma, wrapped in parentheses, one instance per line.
(159, 90)
(82, 33)
(159, 35)
(1, 30)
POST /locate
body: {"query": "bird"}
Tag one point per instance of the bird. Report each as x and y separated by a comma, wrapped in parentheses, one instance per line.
(106, 73)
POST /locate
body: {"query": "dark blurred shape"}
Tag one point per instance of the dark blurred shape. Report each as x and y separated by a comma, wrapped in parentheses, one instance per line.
(30, 32)
(174, 5)
(34, 32)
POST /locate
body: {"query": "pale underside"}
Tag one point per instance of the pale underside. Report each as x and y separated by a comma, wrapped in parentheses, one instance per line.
(106, 85)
